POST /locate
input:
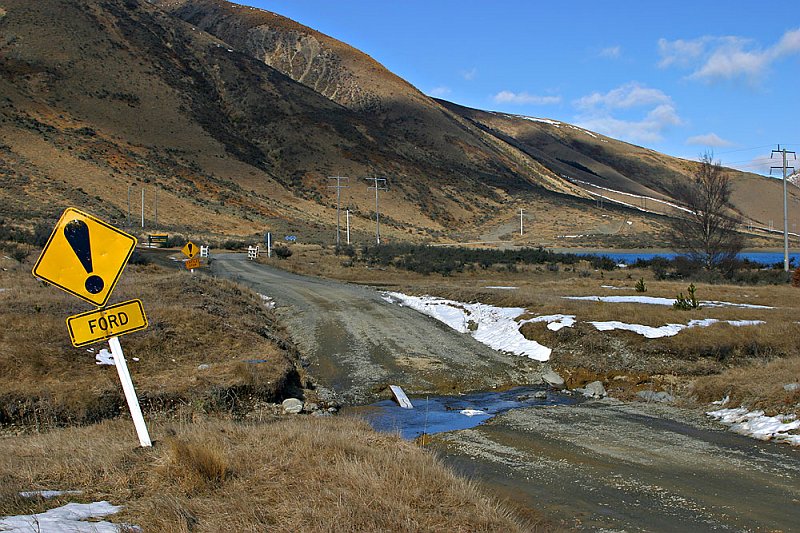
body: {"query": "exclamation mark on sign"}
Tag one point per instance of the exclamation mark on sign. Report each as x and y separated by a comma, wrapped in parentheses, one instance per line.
(77, 234)
(190, 246)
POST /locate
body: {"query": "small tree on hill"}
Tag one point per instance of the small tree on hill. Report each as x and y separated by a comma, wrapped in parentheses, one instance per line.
(706, 232)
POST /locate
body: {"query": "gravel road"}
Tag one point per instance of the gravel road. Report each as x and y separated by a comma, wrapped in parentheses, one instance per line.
(614, 466)
(356, 344)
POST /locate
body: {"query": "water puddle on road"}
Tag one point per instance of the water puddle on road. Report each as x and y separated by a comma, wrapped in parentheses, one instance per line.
(438, 414)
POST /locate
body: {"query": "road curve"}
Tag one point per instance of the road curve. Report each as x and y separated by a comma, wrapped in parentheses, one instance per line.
(356, 344)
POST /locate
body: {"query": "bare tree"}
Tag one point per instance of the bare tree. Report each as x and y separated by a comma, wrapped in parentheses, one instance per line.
(706, 232)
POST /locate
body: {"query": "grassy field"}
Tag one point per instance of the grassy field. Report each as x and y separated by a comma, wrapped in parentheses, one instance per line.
(194, 321)
(308, 474)
(223, 455)
(750, 364)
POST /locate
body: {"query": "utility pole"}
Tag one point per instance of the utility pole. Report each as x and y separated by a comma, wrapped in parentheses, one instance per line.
(378, 187)
(347, 217)
(338, 188)
(784, 151)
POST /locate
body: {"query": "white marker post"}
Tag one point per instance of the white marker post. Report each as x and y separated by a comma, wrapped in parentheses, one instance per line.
(348, 226)
(130, 392)
(269, 244)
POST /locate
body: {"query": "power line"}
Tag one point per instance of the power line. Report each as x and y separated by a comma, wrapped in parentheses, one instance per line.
(784, 151)
(338, 188)
(377, 188)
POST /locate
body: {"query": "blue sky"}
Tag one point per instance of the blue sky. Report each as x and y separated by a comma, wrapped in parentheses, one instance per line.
(679, 77)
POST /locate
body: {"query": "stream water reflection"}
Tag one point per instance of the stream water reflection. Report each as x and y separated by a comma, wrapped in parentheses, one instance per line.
(437, 414)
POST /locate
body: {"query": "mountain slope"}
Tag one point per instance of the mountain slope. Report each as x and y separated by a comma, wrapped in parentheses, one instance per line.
(235, 118)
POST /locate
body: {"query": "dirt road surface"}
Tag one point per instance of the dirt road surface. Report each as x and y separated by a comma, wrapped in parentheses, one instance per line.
(357, 344)
(616, 466)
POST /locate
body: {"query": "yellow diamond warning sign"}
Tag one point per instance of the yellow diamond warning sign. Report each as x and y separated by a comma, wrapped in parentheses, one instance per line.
(190, 250)
(105, 323)
(84, 256)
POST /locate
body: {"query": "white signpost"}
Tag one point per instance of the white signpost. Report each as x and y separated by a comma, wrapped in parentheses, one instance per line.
(85, 257)
(252, 252)
(204, 251)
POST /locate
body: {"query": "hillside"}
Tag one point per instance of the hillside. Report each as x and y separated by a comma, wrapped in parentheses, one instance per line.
(235, 118)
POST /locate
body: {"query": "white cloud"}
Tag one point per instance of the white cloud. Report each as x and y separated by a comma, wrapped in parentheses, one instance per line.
(508, 97)
(598, 113)
(611, 52)
(725, 58)
(470, 74)
(624, 97)
(440, 91)
(710, 139)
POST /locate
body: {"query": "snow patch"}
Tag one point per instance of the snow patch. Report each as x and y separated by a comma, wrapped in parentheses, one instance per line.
(500, 287)
(554, 322)
(104, 358)
(653, 300)
(490, 325)
(668, 330)
(48, 493)
(755, 424)
(268, 301)
(70, 517)
(472, 412)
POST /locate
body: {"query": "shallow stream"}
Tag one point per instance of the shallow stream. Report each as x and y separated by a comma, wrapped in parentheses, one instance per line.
(438, 414)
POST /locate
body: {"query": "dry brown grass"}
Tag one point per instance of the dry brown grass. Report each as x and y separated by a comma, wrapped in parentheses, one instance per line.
(758, 385)
(302, 474)
(194, 320)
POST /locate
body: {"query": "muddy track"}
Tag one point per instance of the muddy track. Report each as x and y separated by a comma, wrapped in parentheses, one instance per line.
(356, 344)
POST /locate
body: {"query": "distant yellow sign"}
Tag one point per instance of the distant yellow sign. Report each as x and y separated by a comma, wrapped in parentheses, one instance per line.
(190, 250)
(193, 263)
(102, 324)
(84, 256)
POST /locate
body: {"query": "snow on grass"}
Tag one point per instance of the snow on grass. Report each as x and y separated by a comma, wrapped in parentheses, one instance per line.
(70, 517)
(653, 300)
(554, 322)
(668, 330)
(501, 288)
(755, 424)
(490, 325)
(472, 412)
(268, 301)
(48, 493)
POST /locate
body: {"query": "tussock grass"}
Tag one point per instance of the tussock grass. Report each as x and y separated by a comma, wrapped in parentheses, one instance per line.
(194, 321)
(300, 474)
(758, 385)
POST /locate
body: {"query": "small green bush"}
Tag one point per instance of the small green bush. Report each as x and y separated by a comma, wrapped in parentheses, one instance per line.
(686, 304)
(640, 286)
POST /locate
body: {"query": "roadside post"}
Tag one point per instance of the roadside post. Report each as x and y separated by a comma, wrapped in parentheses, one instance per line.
(204, 251)
(252, 252)
(85, 256)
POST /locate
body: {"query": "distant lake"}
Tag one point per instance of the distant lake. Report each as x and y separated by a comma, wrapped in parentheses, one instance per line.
(628, 258)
